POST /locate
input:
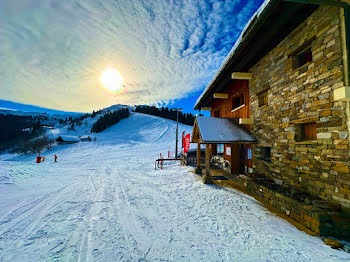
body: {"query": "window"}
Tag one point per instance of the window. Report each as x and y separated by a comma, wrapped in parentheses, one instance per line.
(237, 102)
(265, 154)
(306, 131)
(304, 57)
(262, 98)
(309, 131)
(220, 149)
(303, 54)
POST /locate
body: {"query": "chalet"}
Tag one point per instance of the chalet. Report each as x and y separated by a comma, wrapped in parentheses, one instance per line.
(283, 96)
(64, 139)
(85, 138)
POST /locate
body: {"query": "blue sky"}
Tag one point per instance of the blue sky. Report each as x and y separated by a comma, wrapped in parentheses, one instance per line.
(52, 53)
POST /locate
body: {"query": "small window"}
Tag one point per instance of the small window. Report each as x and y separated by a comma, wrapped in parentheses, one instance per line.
(237, 102)
(309, 131)
(265, 154)
(303, 54)
(304, 57)
(220, 149)
(306, 131)
(262, 99)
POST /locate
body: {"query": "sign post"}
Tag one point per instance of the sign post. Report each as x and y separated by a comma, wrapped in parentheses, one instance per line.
(177, 128)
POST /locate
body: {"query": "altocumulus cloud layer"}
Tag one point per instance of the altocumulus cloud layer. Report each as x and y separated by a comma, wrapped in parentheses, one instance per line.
(52, 52)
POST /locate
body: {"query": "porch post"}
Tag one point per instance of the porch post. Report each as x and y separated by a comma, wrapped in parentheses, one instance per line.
(207, 158)
(199, 153)
(206, 176)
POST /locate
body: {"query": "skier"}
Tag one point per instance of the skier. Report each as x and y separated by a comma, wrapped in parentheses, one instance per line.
(55, 158)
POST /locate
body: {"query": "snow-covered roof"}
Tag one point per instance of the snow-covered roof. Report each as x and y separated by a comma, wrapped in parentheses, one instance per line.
(234, 48)
(85, 137)
(222, 130)
(67, 138)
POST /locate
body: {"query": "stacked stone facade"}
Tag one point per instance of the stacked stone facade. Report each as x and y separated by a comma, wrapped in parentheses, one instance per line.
(299, 95)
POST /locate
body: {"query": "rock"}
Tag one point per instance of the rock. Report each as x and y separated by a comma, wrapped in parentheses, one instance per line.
(343, 134)
(324, 135)
(332, 243)
(324, 119)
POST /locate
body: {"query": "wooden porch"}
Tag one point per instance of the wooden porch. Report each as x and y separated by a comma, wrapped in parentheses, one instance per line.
(235, 143)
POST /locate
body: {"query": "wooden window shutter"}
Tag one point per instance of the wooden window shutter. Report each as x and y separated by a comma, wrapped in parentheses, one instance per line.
(310, 131)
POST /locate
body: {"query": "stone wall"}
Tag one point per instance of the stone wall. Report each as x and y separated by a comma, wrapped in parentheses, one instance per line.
(316, 216)
(303, 95)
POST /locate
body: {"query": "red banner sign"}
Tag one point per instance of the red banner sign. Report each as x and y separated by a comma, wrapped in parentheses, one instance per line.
(187, 143)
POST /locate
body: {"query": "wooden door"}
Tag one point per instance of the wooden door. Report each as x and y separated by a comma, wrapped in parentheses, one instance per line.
(234, 159)
(242, 159)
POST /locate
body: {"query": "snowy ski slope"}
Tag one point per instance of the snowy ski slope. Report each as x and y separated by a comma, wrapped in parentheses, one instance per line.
(103, 201)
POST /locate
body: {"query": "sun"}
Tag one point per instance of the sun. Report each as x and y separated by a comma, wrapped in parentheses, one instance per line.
(112, 80)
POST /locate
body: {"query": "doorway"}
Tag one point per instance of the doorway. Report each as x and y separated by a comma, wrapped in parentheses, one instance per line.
(242, 158)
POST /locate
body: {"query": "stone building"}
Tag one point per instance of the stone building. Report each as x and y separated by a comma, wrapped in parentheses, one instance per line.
(287, 80)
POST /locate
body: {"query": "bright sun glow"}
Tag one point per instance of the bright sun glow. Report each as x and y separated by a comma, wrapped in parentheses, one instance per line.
(112, 80)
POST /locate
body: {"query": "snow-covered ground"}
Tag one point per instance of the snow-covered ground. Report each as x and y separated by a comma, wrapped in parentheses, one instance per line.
(104, 201)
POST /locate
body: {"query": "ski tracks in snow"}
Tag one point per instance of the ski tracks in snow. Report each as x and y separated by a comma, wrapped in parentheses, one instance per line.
(118, 208)
(58, 224)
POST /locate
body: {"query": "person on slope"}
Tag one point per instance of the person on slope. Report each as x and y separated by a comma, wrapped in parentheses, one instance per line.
(55, 157)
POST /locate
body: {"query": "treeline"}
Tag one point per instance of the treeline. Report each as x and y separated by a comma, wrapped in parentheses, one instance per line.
(78, 121)
(17, 129)
(109, 119)
(35, 145)
(187, 118)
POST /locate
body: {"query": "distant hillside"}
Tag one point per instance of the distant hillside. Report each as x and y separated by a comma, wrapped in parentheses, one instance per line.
(13, 108)
(116, 107)
(19, 109)
(20, 130)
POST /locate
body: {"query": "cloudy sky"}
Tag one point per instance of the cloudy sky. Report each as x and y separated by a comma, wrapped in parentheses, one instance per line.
(53, 52)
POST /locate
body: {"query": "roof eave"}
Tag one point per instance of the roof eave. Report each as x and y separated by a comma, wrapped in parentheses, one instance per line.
(245, 35)
(268, 20)
(229, 142)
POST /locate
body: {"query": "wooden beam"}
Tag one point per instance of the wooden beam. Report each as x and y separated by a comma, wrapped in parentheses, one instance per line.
(240, 75)
(207, 159)
(206, 109)
(318, 2)
(220, 95)
(237, 108)
(305, 120)
(246, 121)
(199, 152)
